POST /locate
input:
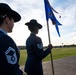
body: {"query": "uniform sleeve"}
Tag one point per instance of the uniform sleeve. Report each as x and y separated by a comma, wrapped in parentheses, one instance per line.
(9, 58)
(10, 52)
(39, 52)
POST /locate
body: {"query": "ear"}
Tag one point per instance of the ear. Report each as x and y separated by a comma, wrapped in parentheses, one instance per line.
(7, 20)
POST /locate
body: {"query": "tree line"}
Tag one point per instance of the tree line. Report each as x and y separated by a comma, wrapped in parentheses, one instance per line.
(61, 46)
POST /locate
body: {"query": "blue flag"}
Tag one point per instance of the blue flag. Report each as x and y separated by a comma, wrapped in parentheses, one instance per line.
(50, 15)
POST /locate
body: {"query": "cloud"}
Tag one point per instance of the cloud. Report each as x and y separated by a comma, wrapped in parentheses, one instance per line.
(35, 9)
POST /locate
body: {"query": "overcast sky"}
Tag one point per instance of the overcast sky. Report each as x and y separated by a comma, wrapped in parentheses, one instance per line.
(34, 9)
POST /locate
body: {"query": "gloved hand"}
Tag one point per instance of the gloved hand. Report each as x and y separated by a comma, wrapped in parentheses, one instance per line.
(50, 46)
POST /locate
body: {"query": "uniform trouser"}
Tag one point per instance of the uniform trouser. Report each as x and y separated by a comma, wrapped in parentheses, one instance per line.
(34, 73)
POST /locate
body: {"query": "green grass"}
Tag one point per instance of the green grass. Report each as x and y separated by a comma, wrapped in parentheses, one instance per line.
(61, 53)
(56, 54)
(23, 56)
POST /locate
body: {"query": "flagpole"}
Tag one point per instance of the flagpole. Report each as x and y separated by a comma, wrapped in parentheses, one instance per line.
(50, 52)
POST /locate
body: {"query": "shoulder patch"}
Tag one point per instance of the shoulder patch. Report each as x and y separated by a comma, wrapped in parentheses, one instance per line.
(11, 55)
(40, 46)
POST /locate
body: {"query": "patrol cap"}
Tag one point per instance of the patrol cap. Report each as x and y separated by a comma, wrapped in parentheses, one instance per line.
(5, 9)
(33, 23)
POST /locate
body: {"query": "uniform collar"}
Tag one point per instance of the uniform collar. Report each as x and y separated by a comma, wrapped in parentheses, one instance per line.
(3, 31)
(33, 34)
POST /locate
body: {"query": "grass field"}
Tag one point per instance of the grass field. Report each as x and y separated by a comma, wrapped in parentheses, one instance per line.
(56, 54)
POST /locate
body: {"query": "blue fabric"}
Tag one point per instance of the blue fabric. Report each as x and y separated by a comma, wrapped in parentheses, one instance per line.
(50, 15)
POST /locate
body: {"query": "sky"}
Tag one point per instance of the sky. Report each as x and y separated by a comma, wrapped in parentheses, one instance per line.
(34, 9)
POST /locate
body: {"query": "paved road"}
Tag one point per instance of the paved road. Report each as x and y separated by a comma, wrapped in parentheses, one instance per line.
(64, 66)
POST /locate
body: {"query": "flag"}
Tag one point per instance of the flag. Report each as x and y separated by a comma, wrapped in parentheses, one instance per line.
(50, 15)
